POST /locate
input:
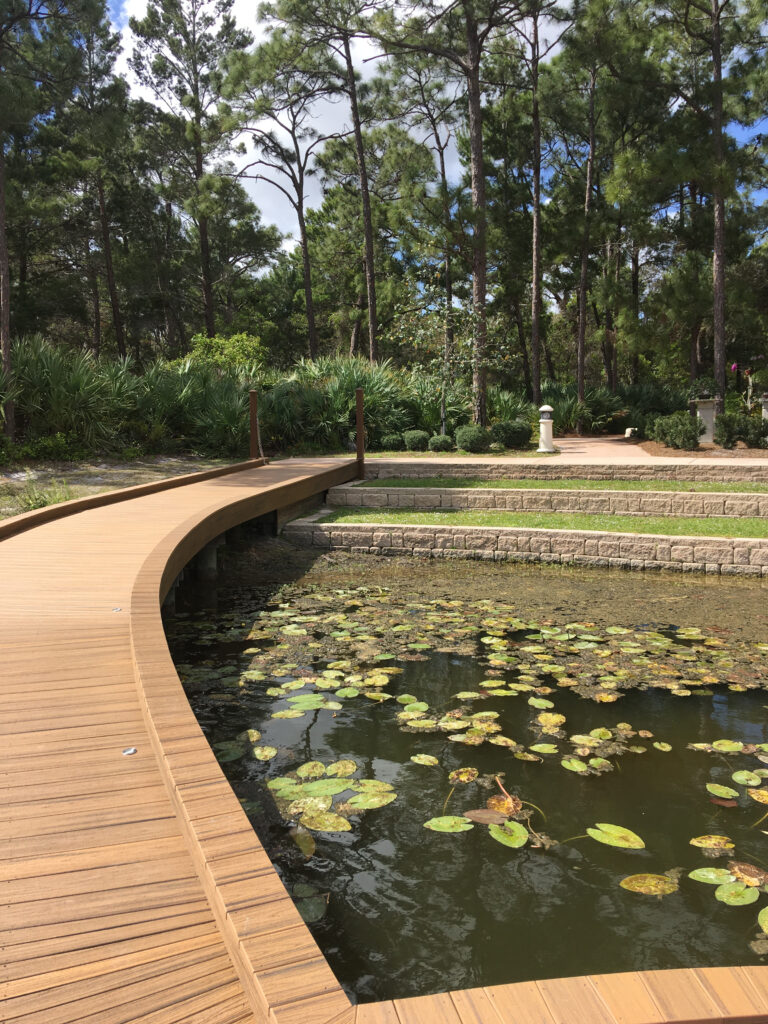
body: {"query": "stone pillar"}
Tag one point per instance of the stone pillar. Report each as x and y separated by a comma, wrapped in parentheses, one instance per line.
(705, 408)
(546, 428)
(207, 561)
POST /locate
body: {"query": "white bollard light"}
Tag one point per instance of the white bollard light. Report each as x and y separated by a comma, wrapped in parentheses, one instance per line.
(764, 404)
(546, 427)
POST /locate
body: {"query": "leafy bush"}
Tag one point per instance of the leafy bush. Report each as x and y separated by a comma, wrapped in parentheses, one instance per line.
(733, 427)
(506, 405)
(55, 448)
(393, 443)
(511, 433)
(473, 438)
(416, 440)
(236, 350)
(440, 443)
(679, 430)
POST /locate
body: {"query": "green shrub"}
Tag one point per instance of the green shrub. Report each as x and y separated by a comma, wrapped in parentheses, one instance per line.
(679, 430)
(473, 438)
(53, 448)
(236, 350)
(733, 427)
(34, 497)
(440, 443)
(393, 443)
(511, 433)
(416, 440)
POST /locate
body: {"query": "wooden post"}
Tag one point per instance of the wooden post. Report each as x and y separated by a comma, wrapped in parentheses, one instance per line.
(255, 452)
(360, 433)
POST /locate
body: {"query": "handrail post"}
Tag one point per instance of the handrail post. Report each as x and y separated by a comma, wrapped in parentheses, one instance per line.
(255, 437)
(360, 433)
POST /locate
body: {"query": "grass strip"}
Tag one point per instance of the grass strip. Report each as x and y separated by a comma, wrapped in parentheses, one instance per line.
(471, 483)
(678, 526)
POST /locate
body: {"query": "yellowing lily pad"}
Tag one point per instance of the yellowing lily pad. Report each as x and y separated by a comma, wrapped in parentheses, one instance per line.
(311, 770)
(616, 835)
(650, 885)
(264, 753)
(369, 801)
(341, 769)
(425, 759)
(463, 775)
(325, 821)
(712, 842)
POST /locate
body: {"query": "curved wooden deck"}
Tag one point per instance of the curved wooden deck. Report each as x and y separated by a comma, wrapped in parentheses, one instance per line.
(133, 887)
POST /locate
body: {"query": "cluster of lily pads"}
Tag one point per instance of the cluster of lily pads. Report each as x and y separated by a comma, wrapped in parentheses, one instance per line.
(320, 652)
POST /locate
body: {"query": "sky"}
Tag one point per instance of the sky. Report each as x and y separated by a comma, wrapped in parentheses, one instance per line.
(275, 207)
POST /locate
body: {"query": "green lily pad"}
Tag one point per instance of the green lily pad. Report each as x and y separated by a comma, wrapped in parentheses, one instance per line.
(724, 792)
(425, 759)
(736, 894)
(371, 786)
(309, 804)
(601, 734)
(406, 698)
(511, 833)
(325, 821)
(311, 770)
(573, 764)
(616, 835)
(711, 876)
(540, 703)
(264, 753)
(762, 919)
(665, 747)
(467, 695)
(601, 763)
(449, 823)
(369, 801)
(324, 787)
(304, 840)
(650, 885)
(288, 714)
(544, 748)
(745, 778)
(728, 746)
(347, 691)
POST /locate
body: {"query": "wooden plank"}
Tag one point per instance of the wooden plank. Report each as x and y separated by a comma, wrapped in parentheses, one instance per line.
(627, 998)
(574, 1001)
(522, 1003)
(731, 990)
(681, 997)
(377, 1013)
(438, 1009)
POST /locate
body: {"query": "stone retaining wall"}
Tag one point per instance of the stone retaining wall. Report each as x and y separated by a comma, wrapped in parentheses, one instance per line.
(656, 503)
(716, 555)
(546, 469)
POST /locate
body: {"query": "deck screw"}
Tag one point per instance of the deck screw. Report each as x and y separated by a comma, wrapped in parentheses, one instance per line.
(129, 750)
(117, 609)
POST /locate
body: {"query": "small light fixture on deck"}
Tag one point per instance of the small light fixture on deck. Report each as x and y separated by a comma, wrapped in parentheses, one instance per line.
(129, 750)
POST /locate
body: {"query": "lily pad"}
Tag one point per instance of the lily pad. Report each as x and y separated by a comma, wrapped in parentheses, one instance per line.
(369, 801)
(325, 821)
(425, 759)
(616, 835)
(341, 769)
(544, 748)
(745, 778)
(511, 833)
(650, 885)
(736, 894)
(264, 753)
(762, 919)
(324, 787)
(311, 770)
(573, 764)
(711, 876)
(664, 747)
(463, 775)
(724, 792)
(485, 816)
(229, 750)
(759, 795)
(712, 842)
(540, 703)
(728, 746)
(449, 823)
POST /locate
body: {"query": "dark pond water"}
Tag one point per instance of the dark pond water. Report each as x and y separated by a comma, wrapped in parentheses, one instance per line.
(400, 909)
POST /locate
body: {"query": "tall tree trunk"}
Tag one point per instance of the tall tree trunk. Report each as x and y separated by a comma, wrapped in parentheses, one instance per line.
(314, 348)
(106, 242)
(582, 329)
(548, 360)
(93, 282)
(5, 297)
(693, 371)
(479, 259)
(535, 384)
(718, 202)
(370, 266)
(448, 258)
(354, 338)
(518, 315)
(635, 287)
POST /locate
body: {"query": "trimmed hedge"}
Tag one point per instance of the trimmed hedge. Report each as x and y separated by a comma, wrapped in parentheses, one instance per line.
(733, 427)
(440, 443)
(679, 430)
(416, 440)
(473, 438)
(511, 433)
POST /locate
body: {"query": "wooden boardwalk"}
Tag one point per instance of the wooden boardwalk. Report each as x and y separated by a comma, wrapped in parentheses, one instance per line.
(133, 887)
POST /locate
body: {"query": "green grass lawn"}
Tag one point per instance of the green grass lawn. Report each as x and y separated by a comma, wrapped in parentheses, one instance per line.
(669, 525)
(570, 485)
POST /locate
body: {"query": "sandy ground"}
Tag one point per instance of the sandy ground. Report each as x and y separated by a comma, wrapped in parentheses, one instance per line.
(22, 486)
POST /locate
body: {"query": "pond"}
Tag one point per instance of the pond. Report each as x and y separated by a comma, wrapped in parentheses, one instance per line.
(472, 773)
